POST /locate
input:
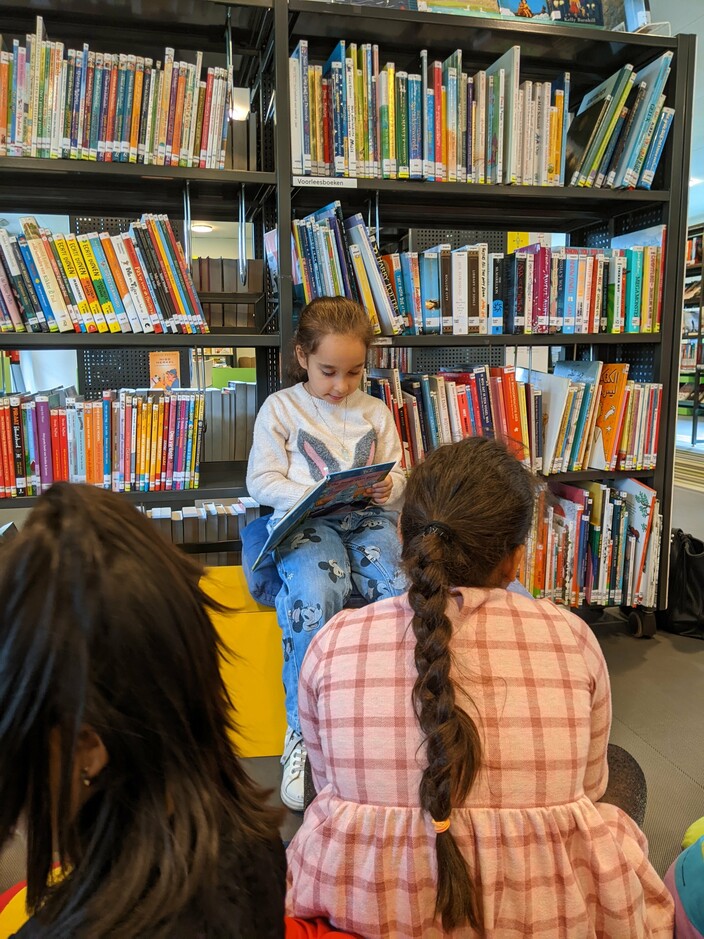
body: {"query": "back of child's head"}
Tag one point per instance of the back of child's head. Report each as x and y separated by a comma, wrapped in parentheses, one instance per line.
(104, 625)
(467, 507)
(328, 316)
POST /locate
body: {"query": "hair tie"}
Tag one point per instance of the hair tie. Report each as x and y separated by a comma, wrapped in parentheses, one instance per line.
(440, 827)
(438, 528)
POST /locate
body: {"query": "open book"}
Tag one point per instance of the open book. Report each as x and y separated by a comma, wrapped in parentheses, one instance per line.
(346, 488)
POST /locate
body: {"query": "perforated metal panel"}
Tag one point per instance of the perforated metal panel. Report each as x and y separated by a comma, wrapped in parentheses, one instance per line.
(642, 360)
(429, 360)
(597, 236)
(419, 239)
(635, 221)
(114, 225)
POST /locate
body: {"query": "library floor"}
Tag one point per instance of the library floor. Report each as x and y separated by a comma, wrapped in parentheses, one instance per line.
(658, 700)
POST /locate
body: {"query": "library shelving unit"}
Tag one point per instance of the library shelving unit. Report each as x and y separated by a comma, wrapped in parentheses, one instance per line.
(108, 195)
(589, 217)
(265, 33)
(691, 360)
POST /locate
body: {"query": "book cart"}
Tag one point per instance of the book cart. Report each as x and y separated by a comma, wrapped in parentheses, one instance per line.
(107, 196)
(691, 361)
(263, 34)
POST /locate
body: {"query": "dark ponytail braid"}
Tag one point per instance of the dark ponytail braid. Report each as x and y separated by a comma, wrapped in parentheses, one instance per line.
(451, 738)
(467, 507)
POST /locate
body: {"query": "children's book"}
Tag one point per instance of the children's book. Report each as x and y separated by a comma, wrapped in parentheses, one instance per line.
(345, 488)
(165, 370)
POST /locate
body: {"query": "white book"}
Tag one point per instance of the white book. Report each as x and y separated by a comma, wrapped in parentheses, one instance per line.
(545, 132)
(479, 135)
(508, 70)
(437, 385)
(294, 76)
(537, 130)
(143, 323)
(453, 411)
(460, 299)
(528, 133)
(555, 393)
(352, 115)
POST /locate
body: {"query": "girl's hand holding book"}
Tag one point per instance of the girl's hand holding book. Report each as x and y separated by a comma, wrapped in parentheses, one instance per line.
(381, 491)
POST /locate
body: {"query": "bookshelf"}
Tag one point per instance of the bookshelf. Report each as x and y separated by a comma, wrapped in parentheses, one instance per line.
(113, 193)
(589, 217)
(691, 359)
(264, 33)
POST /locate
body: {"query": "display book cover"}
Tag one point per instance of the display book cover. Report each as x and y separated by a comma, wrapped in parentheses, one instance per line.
(344, 488)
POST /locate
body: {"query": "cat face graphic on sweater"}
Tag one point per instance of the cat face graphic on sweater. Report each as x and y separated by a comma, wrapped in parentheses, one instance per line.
(321, 462)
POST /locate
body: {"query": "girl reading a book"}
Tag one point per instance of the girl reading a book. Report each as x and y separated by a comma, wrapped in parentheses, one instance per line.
(115, 737)
(322, 424)
(457, 737)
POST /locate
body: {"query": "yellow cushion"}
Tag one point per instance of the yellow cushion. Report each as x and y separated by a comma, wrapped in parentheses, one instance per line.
(253, 674)
(14, 916)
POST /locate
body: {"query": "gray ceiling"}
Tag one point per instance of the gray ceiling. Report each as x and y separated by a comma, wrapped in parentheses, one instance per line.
(687, 16)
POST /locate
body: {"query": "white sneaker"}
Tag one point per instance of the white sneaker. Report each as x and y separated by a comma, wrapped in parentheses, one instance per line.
(294, 761)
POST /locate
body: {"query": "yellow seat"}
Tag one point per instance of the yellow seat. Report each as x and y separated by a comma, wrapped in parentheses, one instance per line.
(253, 673)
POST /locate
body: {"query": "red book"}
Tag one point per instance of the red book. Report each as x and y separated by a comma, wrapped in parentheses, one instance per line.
(440, 168)
(63, 444)
(8, 463)
(55, 425)
(327, 125)
(206, 118)
(172, 113)
(476, 410)
(165, 441)
(112, 111)
(142, 283)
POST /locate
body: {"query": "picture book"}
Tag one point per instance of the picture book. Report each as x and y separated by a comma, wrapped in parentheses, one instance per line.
(526, 9)
(586, 12)
(612, 387)
(346, 488)
(165, 370)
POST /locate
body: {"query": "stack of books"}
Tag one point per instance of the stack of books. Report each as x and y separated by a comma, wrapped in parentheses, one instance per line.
(597, 544)
(130, 441)
(229, 413)
(84, 105)
(205, 521)
(136, 282)
(474, 291)
(584, 415)
(353, 117)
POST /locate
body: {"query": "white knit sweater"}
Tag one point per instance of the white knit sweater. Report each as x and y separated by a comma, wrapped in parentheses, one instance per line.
(298, 440)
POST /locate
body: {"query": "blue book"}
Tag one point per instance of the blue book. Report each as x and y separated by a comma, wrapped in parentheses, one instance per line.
(588, 373)
(655, 75)
(107, 443)
(300, 53)
(316, 260)
(429, 265)
(427, 119)
(344, 488)
(415, 319)
(569, 315)
(415, 127)
(105, 269)
(96, 111)
(37, 283)
(657, 146)
(82, 100)
(76, 102)
(634, 288)
(128, 92)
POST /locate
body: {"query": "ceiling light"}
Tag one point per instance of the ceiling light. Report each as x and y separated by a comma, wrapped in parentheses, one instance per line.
(694, 181)
(201, 229)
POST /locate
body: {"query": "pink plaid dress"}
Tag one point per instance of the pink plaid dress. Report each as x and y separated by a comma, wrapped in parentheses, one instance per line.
(548, 862)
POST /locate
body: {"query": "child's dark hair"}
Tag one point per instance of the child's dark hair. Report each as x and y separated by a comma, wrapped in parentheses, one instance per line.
(327, 316)
(104, 624)
(466, 508)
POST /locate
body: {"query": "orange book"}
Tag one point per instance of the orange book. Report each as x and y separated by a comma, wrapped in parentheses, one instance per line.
(136, 108)
(512, 411)
(178, 115)
(98, 445)
(158, 463)
(612, 402)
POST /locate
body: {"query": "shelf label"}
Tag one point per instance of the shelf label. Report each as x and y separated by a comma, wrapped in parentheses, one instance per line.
(325, 182)
(381, 341)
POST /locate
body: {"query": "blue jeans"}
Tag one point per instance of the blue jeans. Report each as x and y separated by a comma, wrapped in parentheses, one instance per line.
(319, 564)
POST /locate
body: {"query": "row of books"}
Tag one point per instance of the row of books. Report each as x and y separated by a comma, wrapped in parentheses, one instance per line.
(583, 415)
(597, 544)
(229, 415)
(130, 440)
(693, 254)
(134, 282)
(352, 117)
(472, 290)
(205, 521)
(80, 104)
